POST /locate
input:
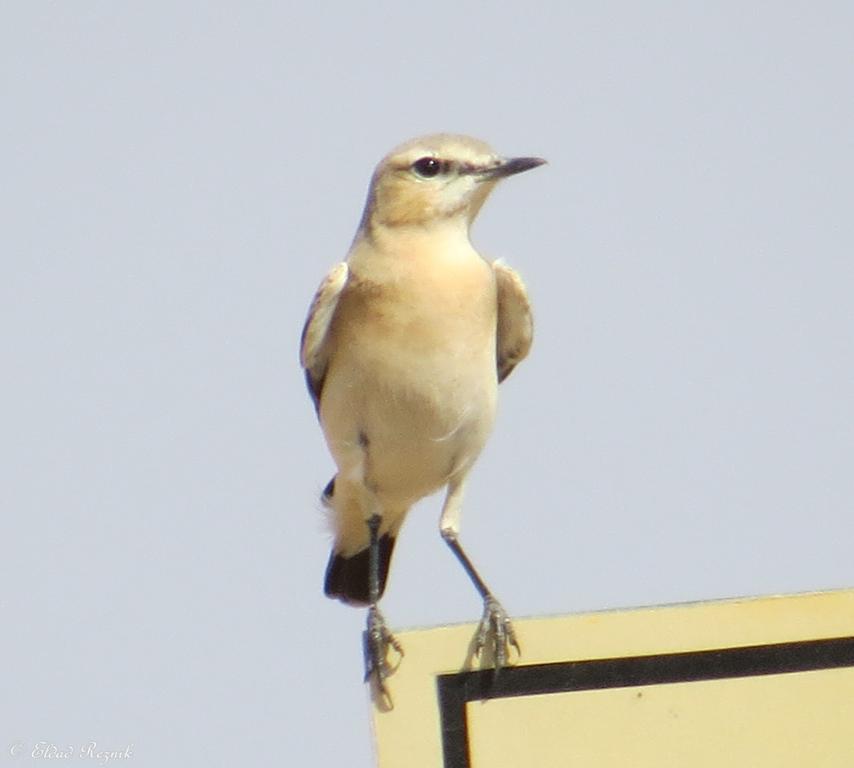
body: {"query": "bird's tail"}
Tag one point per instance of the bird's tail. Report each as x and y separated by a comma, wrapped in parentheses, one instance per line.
(347, 576)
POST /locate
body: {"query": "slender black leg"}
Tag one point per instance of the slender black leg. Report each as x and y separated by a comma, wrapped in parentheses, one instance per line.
(495, 630)
(378, 638)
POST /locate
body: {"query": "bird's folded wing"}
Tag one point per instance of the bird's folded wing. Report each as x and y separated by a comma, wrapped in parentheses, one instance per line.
(515, 322)
(314, 351)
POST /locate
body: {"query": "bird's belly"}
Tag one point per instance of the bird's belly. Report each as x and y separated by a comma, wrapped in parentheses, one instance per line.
(404, 429)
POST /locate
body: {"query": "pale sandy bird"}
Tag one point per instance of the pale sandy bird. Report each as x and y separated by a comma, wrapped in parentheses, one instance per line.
(404, 347)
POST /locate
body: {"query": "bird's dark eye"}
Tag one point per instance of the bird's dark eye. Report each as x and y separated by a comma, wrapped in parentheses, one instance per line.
(427, 167)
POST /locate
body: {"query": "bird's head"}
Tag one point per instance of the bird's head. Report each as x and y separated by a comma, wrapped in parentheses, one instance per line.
(437, 178)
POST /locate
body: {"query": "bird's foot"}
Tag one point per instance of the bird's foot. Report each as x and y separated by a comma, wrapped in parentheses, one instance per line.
(378, 640)
(495, 633)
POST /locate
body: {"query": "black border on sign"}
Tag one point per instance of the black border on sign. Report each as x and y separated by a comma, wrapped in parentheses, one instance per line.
(456, 690)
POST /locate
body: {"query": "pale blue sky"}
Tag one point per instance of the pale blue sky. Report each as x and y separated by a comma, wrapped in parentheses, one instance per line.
(178, 178)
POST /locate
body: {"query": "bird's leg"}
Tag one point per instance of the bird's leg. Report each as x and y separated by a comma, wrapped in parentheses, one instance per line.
(378, 638)
(495, 631)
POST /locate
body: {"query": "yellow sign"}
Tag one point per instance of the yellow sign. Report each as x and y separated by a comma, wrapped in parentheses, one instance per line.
(752, 683)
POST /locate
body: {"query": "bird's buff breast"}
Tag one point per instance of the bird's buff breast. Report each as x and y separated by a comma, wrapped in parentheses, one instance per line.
(410, 397)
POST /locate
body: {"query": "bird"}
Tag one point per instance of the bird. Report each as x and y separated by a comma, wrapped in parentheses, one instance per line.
(403, 349)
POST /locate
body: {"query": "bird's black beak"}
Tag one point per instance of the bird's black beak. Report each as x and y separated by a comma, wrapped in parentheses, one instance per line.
(510, 167)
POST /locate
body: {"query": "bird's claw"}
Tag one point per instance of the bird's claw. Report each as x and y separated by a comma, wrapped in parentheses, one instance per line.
(495, 633)
(378, 639)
